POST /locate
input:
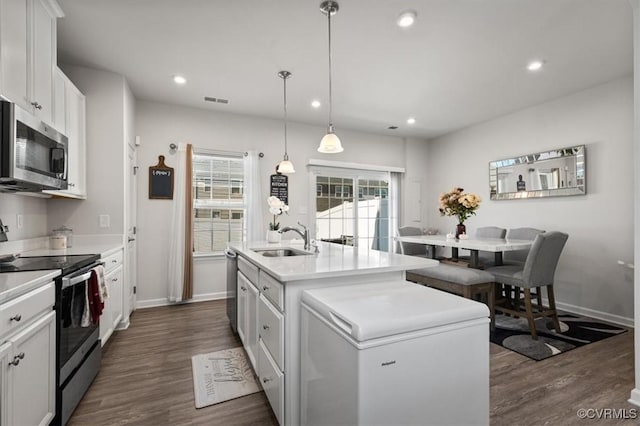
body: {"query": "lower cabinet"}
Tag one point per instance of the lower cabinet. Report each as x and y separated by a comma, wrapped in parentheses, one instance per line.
(261, 330)
(29, 373)
(112, 313)
(248, 316)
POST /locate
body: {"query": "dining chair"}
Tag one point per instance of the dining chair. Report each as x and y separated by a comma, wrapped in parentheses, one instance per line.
(411, 249)
(519, 256)
(537, 271)
(487, 258)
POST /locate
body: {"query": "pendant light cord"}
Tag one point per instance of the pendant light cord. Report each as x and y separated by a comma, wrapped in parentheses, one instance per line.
(329, 9)
(286, 156)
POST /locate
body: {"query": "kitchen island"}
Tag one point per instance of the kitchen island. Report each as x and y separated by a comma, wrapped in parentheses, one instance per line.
(271, 279)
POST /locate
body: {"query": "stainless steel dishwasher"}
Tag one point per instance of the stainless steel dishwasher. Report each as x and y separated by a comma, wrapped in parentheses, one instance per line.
(232, 279)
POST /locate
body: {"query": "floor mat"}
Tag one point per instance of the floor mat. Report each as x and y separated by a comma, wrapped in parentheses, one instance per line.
(513, 334)
(221, 376)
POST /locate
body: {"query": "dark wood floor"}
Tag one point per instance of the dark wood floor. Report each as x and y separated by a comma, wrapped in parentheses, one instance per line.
(146, 377)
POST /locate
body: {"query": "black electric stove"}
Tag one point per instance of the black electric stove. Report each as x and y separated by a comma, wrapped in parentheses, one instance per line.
(66, 264)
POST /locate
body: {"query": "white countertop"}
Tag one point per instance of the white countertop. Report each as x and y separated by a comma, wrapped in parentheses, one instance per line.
(334, 260)
(14, 284)
(103, 249)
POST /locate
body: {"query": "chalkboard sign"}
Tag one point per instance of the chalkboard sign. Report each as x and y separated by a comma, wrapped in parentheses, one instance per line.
(161, 181)
(280, 187)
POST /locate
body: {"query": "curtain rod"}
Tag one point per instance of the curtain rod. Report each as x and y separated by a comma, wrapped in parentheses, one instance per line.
(173, 147)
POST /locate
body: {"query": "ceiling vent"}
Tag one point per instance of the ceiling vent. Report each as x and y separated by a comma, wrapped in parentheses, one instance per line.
(217, 100)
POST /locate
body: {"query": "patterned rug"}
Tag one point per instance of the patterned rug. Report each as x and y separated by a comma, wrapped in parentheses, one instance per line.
(513, 333)
(221, 376)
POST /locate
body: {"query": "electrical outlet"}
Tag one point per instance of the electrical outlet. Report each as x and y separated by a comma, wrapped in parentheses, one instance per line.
(19, 221)
(104, 221)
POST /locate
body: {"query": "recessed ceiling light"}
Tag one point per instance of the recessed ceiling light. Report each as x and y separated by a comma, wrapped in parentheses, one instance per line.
(178, 79)
(535, 65)
(406, 19)
(315, 103)
(411, 120)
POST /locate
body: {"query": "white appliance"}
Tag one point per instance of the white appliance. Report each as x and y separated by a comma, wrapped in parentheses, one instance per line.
(393, 354)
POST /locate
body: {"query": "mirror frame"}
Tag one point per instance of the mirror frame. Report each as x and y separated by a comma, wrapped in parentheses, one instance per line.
(578, 151)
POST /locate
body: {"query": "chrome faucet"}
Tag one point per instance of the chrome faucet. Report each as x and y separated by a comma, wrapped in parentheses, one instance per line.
(304, 234)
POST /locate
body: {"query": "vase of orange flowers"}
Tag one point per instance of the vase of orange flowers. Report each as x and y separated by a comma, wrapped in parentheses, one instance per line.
(457, 203)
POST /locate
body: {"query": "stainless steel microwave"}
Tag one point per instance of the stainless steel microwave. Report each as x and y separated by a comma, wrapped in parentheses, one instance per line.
(33, 155)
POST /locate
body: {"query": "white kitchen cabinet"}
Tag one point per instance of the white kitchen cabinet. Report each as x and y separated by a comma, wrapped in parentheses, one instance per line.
(14, 51)
(75, 129)
(28, 358)
(28, 49)
(32, 374)
(5, 358)
(59, 101)
(112, 312)
(247, 312)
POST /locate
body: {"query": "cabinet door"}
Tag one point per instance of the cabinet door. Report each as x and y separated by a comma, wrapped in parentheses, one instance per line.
(242, 306)
(32, 374)
(251, 325)
(76, 135)
(5, 352)
(106, 325)
(114, 285)
(42, 57)
(14, 51)
(60, 102)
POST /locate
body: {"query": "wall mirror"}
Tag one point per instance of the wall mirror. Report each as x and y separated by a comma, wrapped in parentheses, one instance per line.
(555, 173)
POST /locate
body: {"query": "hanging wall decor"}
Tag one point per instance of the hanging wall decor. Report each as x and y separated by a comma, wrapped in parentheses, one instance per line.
(161, 181)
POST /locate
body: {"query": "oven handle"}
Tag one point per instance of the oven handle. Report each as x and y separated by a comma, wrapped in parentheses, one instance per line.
(71, 281)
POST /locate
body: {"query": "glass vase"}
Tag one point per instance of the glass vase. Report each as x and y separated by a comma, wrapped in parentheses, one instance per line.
(460, 229)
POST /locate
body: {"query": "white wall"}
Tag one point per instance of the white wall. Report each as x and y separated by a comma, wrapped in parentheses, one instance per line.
(105, 103)
(34, 216)
(158, 125)
(599, 224)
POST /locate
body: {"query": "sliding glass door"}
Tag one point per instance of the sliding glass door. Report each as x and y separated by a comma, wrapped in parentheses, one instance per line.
(355, 207)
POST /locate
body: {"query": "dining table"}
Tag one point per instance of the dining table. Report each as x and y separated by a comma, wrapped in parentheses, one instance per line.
(474, 245)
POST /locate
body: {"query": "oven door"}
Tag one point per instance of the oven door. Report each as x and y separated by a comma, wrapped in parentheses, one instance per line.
(78, 333)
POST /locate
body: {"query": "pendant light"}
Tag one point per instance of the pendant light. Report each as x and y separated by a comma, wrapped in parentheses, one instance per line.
(285, 166)
(330, 143)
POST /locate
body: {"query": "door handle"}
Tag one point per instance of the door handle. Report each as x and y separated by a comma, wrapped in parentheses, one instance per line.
(130, 239)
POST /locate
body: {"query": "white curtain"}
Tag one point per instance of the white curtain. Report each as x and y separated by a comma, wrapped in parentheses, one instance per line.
(394, 212)
(177, 236)
(254, 219)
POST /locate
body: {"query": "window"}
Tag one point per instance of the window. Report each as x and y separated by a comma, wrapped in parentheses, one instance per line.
(218, 202)
(366, 220)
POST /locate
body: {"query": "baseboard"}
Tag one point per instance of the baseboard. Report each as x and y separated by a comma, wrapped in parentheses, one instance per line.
(592, 313)
(635, 397)
(153, 303)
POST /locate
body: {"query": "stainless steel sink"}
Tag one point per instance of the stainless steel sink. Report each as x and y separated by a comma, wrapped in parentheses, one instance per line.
(286, 252)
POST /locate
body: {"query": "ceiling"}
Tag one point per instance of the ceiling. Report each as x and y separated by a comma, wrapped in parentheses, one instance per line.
(463, 62)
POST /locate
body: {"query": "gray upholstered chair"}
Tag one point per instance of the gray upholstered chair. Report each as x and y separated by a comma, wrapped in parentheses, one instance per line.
(519, 256)
(411, 249)
(538, 271)
(487, 258)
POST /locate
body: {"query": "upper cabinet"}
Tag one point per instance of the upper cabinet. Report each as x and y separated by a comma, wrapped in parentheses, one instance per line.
(69, 117)
(28, 54)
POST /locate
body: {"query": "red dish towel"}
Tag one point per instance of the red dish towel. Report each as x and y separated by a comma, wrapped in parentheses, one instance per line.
(95, 305)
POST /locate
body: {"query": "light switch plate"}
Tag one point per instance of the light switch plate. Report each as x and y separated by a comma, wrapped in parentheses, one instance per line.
(19, 221)
(105, 221)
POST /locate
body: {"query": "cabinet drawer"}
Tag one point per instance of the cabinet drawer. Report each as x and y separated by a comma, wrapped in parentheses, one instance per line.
(271, 330)
(22, 310)
(272, 381)
(248, 269)
(272, 288)
(113, 261)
